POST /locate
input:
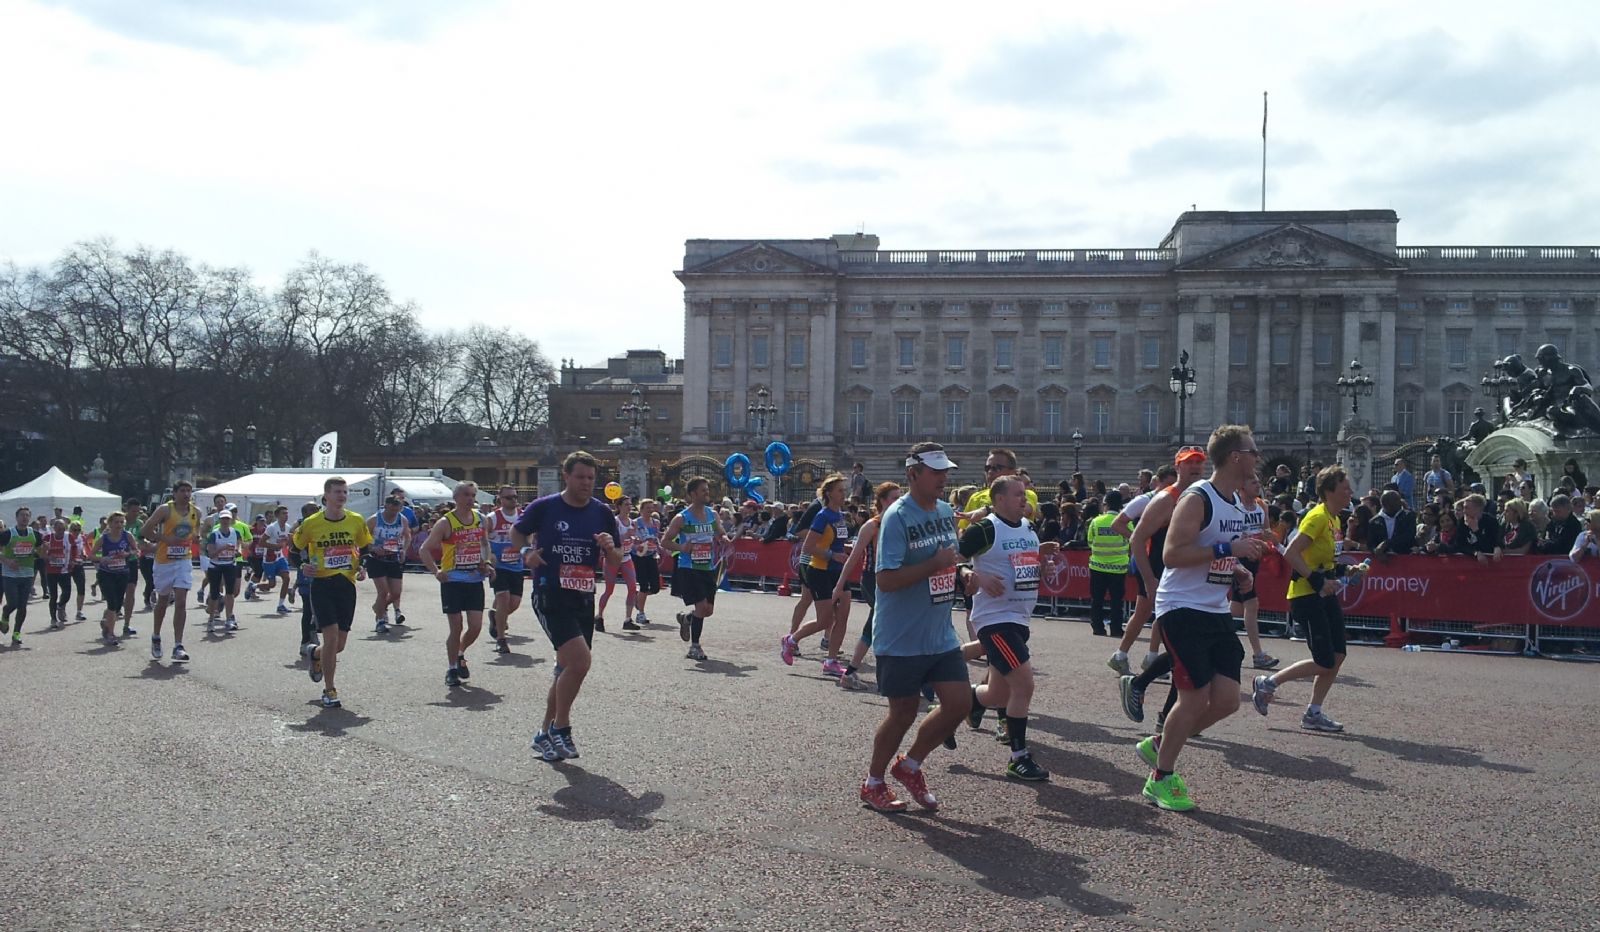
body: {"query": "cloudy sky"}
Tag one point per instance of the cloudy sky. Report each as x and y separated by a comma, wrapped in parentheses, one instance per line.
(540, 165)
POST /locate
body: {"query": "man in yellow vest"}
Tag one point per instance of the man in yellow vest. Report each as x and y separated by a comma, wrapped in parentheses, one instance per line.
(173, 529)
(1108, 567)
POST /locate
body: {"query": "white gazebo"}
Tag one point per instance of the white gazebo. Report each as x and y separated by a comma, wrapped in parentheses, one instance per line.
(55, 489)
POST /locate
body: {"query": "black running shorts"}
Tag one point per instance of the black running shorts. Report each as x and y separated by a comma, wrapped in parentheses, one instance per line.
(379, 568)
(564, 615)
(333, 601)
(822, 582)
(1203, 645)
(512, 581)
(1323, 621)
(648, 571)
(694, 586)
(458, 597)
(901, 677)
(1006, 644)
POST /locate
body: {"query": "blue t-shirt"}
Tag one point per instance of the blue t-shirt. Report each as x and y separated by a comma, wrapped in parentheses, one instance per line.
(565, 537)
(410, 516)
(915, 620)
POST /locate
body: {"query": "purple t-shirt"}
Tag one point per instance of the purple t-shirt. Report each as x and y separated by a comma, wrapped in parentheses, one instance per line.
(565, 537)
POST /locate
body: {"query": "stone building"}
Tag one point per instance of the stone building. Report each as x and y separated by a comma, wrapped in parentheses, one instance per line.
(866, 350)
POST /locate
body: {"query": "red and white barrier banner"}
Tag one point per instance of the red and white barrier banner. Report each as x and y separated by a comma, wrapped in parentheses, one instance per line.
(1514, 591)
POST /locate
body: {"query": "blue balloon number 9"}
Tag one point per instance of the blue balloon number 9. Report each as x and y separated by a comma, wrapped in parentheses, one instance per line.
(779, 459)
(737, 471)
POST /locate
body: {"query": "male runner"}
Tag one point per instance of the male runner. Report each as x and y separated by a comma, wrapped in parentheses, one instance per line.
(646, 555)
(19, 550)
(1314, 601)
(332, 540)
(463, 542)
(1006, 557)
(219, 505)
(133, 512)
(1244, 602)
(509, 574)
(57, 551)
(911, 634)
(1150, 546)
(1204, 545)
(562, 538)
(222, 547)
(112, 550)
(172, 529)
(254, 551)
(694, 535)
(275, 562)
(385, 559)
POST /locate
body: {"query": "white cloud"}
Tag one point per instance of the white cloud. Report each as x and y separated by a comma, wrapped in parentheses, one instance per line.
(541, 166)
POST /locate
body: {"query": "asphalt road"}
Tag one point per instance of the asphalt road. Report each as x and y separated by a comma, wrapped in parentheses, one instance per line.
(723, 794)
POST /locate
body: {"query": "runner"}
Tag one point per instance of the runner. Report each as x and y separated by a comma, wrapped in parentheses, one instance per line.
(1126, 523)
(221, 549)
(133, 518)
(254, 553)
(219, 506)
(302, 584)
(625, 532)
(797, 531)
(275, 562)
(172, 529)
(58, 573)
(864, 555)
(385, 559)
(694, 535)
(912, 636)
(115, 552)
(1244, 602)
(562, 539)
(509, 574)
(1108, 567)
(1202, 552)
(463, 541)
(1314, 601)
(646, 556)
(19, 550)
(823, 549)
(1006, 554)
(332, 540)
(78, 548)
(411, 519)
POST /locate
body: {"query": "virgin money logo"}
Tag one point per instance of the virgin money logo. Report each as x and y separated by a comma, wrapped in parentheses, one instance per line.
(1350, 593)
(1055, 575)
(1559, 589)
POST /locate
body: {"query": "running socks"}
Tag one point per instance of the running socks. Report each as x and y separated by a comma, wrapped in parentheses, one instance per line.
(1161, 666)
(1017, 729)
(696, 624)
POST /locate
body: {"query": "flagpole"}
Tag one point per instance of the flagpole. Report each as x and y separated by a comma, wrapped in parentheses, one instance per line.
(1263, 151)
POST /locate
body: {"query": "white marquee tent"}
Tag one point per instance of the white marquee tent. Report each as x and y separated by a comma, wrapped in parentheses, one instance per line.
(55, 489)
(263, 490)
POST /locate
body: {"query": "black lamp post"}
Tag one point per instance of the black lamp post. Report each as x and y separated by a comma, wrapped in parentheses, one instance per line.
(1309, 432)
(1356, 386)
(251, 454)
(637, 411)
(761, 412)
(227, 452)
(1077, 450)
(1182, 384)
(1499, 387)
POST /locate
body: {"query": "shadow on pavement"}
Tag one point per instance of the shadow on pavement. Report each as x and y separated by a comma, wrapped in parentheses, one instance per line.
(515, 660)
(589, 797)
(100, 648)
(1268, 762)
(393, 635)
(160, 671)
(1083, 732)
(634, 636)
(1441, 754)
(331, 722)
(1011, 865)
(723, 667)
(1363, 868)
(1120, 813)
(475, 698)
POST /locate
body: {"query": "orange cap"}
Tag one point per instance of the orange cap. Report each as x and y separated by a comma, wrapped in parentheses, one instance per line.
(1189, 455)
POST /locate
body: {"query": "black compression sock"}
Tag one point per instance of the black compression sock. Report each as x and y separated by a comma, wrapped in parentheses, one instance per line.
(1172, 700)
(1161, 667)
(696, 624)
(1017, 729)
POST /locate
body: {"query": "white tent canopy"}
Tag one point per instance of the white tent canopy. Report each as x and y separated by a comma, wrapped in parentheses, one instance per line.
(421, 490)
(263, 490)
(55, 489)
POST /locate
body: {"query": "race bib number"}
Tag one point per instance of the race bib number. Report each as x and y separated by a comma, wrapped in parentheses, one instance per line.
(58, 562)
(700, 552)
(651, 547)
(392, 545)
(1220, 573)
(23, 548)
(577, 578)
(942, 586)
(227, 553)
(338, 558)
(178, 552)
(114, 564)
(469, 555)
(1025, 571)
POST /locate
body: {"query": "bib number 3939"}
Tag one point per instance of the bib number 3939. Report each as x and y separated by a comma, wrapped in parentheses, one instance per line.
(1025, 571)
(942, 586)
(577, 578)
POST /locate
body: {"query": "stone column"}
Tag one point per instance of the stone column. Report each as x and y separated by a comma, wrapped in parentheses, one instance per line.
(1263, 366)
(1221, 367)
(696, 371)
(1383, 417)
(1307, 361)
(779, 356)
(743, 391)
(820, 367)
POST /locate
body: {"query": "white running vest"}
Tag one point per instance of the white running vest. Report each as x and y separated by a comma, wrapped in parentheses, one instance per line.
(1014, 557)
(1205, 587)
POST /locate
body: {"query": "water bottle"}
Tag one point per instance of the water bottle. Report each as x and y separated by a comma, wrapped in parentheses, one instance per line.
(1412, 648)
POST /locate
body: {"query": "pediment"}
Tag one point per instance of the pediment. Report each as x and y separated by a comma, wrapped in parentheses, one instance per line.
(760, 259)
(1292, 248)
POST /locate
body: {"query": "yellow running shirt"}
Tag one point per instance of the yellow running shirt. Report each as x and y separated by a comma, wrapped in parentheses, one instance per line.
(1318, 526)
(333, 548)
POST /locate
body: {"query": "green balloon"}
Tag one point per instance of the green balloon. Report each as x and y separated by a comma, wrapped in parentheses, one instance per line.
(664, 492)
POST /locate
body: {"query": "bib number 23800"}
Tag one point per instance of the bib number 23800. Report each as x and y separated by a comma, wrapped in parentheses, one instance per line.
(1025, 571)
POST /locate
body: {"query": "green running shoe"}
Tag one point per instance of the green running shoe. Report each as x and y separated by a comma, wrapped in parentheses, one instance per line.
(1169, 794)
(1148, 749)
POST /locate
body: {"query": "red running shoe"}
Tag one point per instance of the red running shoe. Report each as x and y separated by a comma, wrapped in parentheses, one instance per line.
(881, 798)
(913, 782)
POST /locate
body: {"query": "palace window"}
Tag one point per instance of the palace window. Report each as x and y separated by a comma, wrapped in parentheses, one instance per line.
(797, 349)
(1100, 417)
(955, 351)
(1405, 348)
(1053, 351)
(1051, 417)
(1002, 418)
(722, 416)
(858, 352)
(905, 416)
(955, 417)
(1150, 418)
(908, 352)
(758, 350)
(1102, 351)
(858, 418)
(722, 350)
(1150, 351)
(1003, 352)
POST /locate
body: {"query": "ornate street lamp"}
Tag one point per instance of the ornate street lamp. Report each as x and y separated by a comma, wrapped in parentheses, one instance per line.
(251, 454)
(1309, 432)
(1077, 450)
(1356, 386)
(1182, 384)
(1499, 387)
(637, 410)
(227, 452)
(761, 412)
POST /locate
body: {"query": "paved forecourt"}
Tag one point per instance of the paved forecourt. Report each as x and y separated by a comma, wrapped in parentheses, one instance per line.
(219, 795)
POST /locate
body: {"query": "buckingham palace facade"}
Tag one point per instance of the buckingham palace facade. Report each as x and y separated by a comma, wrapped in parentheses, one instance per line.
(863, 351)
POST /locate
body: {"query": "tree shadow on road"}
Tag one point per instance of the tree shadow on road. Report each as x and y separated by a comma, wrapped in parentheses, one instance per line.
(589, 797)
(1084, 732)
(723, 668)
(1377, 872)
(1121, 813)
(1270, 763)
(334, 723)
(1011, 865)
(1441, 754)
(475, 698)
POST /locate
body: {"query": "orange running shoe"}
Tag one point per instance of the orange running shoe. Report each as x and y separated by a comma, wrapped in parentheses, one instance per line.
(881, 798)
(913, 782)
